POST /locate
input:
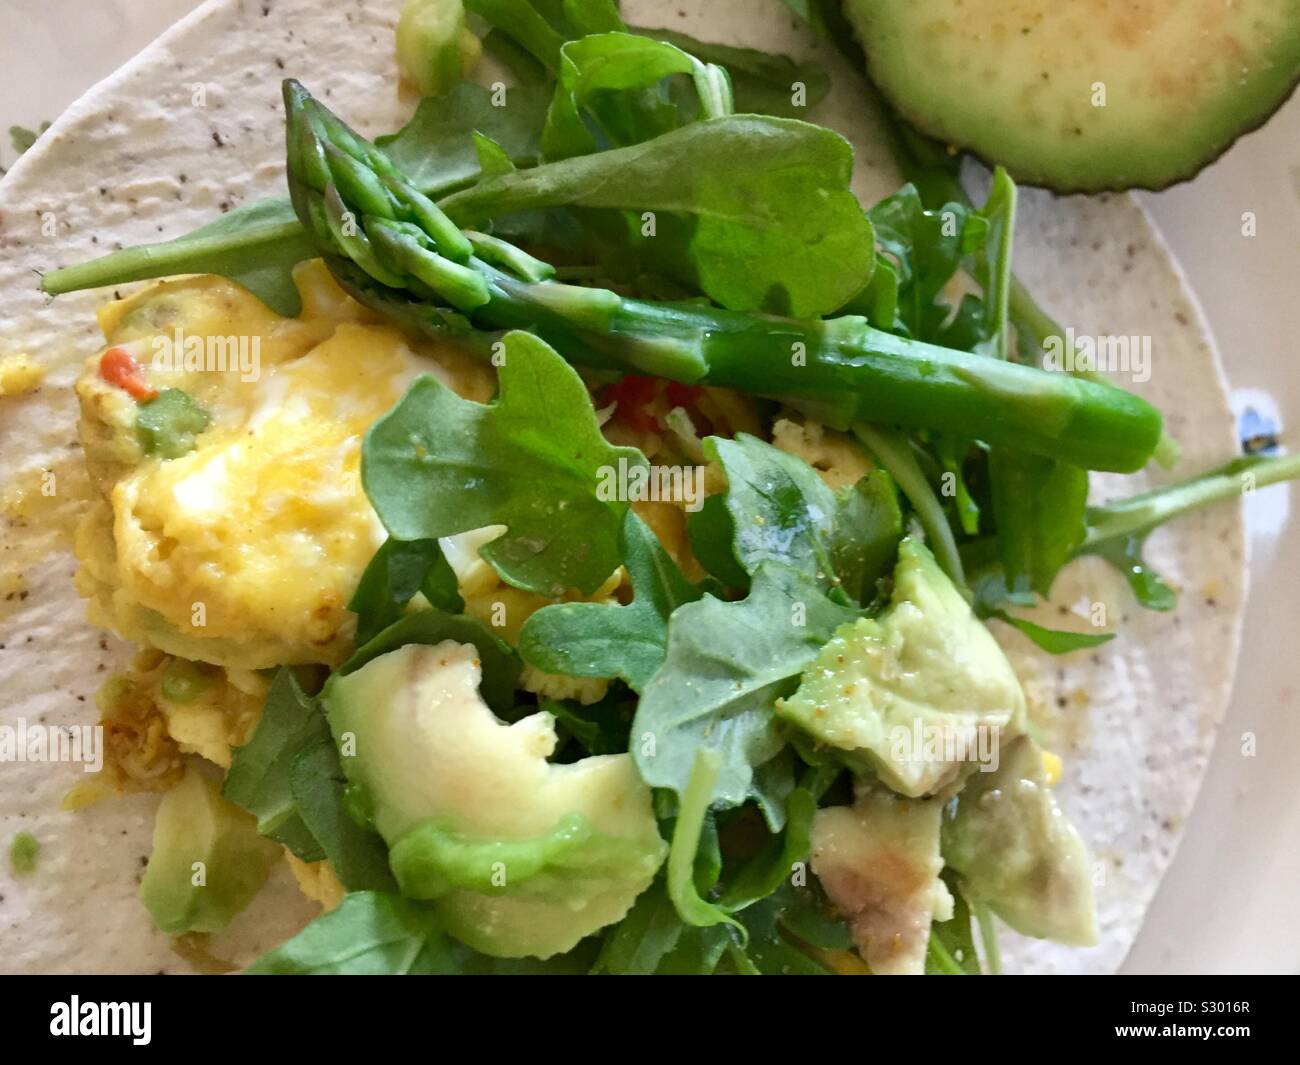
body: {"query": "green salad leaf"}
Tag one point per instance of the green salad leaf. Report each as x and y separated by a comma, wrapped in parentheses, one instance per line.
(1039, 507)
(288, 776)
(356, 854)
(372, 933)
(595, 67)
(499, 662)
(782, 928)
(436, 148)
(684, 865)
(1118, 531)
(600, 640)
(726, 665)
(781, 511)
(772, 866)
(763, 83)
(927, 248)
(1053, 641)
(769, 220)
(653, 939)
(260, 779)
(255, 244)
(951, 951)
(437, 465)
(369, 933)
(398, 571)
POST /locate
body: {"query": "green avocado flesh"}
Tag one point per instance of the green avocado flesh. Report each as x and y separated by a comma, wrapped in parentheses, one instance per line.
(519, 856)
(208, 860)
(1082, 97)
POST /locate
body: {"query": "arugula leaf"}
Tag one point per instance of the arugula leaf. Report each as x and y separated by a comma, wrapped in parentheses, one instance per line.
(256, 245)
(993, 261)
(524, 23)
(712, 534)
(763, 83)
(369, 933)
(781, 511)
(436, 149)
(1126, 555)
(492, 158)
(726, 665)
(767, 218)
(1118, 530)
(951, 951)
(521, 63)
(594, 68)
(1053, 641)
(864, 536)
(764, 874)
(927, 248)
(598, 728)
(651, 931)
(772, 951)
(437, 465)
(398, 570)
(259, 778)
(697, 951)
(357, 855)
(597, 640)
(894, 452)
(21, 138)
(1038, 504)
(288, 776)
(683, 867)
(500, 664)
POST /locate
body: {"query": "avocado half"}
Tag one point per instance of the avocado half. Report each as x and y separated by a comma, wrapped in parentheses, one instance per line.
(1080, 96)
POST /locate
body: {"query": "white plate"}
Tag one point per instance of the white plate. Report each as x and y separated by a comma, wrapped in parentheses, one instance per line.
(1227, 903)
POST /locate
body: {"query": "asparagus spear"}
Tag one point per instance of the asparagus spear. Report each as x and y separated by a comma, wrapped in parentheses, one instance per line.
(398, 252)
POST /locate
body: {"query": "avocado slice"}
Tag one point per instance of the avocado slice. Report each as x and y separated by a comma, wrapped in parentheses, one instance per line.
(1083, 97)
(518, 856)
(919, 695)
(1016, 850)
(208, 860)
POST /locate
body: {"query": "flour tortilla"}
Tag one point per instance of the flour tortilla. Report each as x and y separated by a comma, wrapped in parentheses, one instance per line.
(1134, 721)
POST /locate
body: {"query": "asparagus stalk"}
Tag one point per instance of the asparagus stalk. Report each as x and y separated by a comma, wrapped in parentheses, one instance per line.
(396, 251)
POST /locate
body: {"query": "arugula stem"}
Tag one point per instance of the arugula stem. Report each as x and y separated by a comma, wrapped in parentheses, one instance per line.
(988, 935)
(942, 959)
(1139, 515)
(895, 454)
(686, 841)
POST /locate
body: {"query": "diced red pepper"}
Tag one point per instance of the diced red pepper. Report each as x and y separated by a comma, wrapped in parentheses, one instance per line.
(120, 370)
(680, 395)
(634, 393)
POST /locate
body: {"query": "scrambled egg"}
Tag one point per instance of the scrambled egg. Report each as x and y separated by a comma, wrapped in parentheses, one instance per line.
(244, 552)
(837, 457)
(316, 880)
(18, 374)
